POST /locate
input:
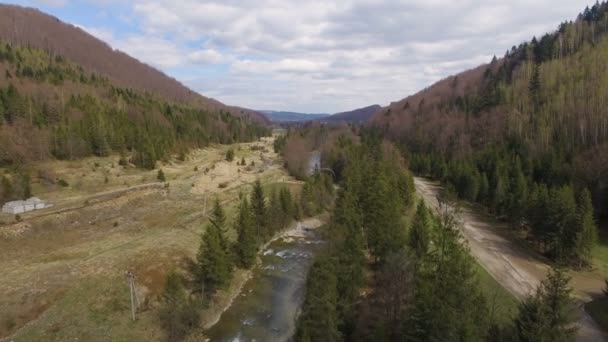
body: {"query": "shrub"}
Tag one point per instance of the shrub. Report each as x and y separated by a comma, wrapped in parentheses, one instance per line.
(160, 176)
(223, 185)
(230, 155)
(179, 315)
(63, 183)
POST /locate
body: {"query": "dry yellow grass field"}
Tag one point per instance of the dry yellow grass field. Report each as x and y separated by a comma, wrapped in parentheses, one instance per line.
(64, 267)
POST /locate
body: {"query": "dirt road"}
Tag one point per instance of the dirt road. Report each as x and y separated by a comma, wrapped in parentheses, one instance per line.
(515, 267)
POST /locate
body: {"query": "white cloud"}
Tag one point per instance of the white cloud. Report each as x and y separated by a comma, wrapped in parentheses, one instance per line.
(208, 56)
(329, 56)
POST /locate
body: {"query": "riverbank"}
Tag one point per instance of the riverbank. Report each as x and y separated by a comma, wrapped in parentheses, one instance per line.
(225, 298)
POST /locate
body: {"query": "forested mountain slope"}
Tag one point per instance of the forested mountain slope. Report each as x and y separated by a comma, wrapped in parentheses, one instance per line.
(29, 27)
(67, 95)
(522, 131)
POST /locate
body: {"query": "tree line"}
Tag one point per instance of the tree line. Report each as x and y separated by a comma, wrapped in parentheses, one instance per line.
(392, 276)
(535, 195)
(259, 217)
(542, 105)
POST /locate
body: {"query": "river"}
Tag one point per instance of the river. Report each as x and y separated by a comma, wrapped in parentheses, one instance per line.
(314, 162)
(267, 307)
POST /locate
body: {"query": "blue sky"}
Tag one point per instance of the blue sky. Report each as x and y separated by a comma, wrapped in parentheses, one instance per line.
(312, 56)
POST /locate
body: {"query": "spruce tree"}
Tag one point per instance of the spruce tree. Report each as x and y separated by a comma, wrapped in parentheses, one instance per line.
(382, 215)
(419, 235)
(561, 216)
(287, 205)
(246, 244)
(178, 315)
(448, 304)
(319, 318)
(349, 246)
(258, 204)
(160, 176)
(549, 314)
(214, 265)
(274, 216)
(586, 235)
(484, 188)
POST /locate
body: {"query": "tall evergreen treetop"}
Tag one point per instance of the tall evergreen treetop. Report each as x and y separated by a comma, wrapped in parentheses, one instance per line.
(246, 244)
(258, 204)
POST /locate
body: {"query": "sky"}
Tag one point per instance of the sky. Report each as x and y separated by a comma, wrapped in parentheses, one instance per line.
(312, 56)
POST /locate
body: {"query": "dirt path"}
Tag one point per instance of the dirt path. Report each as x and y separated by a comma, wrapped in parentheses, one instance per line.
(516, 268)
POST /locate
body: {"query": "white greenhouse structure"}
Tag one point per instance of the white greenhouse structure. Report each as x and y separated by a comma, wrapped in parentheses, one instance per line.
(18, 207)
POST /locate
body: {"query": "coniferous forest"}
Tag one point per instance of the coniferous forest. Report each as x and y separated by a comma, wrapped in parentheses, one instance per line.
(520, 143)
(52, 108)
(395, 271)
(524, 135)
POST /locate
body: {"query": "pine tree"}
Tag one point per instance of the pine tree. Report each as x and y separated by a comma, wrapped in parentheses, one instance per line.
(586, 235)
(246, 244)
(258, 204)
(160, 176)
(382, 215)
(549, 314)
(484, 188)
(561, 217)
(534, 87)
(419, 235)
(274, 220)
(349, 246)
(448, 305)
(319, 318)
(178, 315)
(287, 205)
(214, 265)
(230, 155)
(174, 296)
(307, 199)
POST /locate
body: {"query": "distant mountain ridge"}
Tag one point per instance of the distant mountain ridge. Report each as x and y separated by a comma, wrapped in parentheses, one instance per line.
(359, 115)
(282, 116)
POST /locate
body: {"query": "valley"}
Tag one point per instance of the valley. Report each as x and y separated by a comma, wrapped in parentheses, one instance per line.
(64, 266)
(137, 205)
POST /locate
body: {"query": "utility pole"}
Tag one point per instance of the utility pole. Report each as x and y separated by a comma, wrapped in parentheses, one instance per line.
(134, 300)
(205, 205)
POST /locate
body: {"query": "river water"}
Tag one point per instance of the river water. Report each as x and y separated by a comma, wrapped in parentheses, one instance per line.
(314, 162)
(267, 307)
